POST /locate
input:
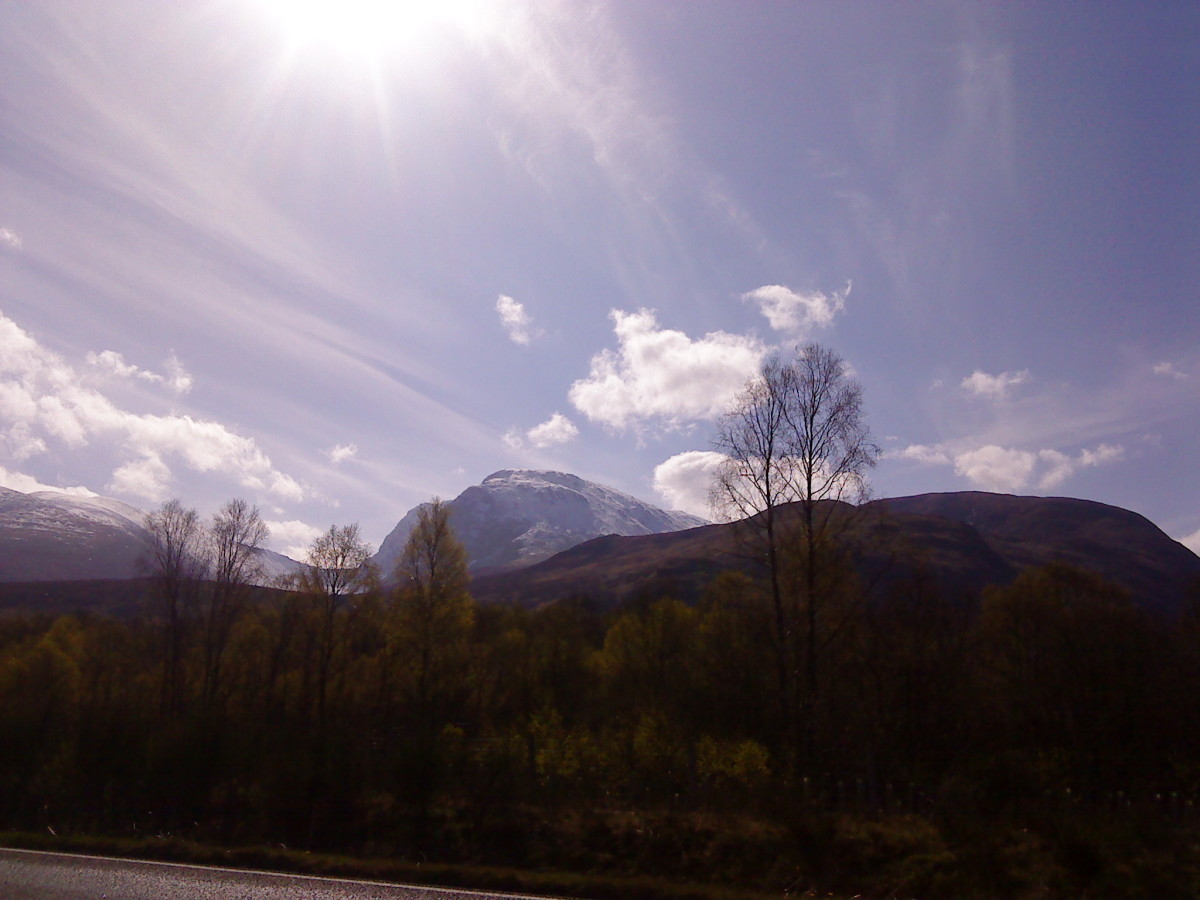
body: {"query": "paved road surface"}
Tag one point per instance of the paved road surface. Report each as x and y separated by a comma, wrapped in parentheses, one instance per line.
(26, 875)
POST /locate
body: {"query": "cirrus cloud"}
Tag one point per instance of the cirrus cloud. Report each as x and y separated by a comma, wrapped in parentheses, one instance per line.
(664, 375)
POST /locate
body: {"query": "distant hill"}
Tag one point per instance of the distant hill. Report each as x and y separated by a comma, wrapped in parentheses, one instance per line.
(50, 536)
(517, 517)
(535, 537)
(960, 542)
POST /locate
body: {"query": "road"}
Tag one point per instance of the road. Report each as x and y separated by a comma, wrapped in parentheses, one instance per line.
(29, 875)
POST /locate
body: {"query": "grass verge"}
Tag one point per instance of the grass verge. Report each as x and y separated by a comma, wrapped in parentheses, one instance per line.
(594, 886)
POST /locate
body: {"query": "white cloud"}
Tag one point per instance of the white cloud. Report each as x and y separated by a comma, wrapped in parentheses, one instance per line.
(516, 321)
(683, 481)
(996, 468)
(1057, 468)
(293, 537)
(1192, 541)
(514, 439)
(10, 239)
(110, 362)
(177, 378)
(662, 374)
(27, 484)
(558, 429)
(147, 477)
(1007, 469)
(994, 387)
(1169, 370)
(796, 314)
(342, 452)
(45, 398)
(22, 443)
(1105, 453)
(923, 453)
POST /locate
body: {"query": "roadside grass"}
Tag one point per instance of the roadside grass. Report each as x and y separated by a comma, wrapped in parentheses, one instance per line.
(548, 883)
(679, 855)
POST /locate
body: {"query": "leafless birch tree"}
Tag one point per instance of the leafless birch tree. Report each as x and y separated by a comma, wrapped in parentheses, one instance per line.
(794, 438)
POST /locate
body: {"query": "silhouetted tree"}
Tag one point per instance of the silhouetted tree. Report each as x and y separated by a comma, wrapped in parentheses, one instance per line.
(235, 537)
(339, 566)
(795, 436)
(178, 560)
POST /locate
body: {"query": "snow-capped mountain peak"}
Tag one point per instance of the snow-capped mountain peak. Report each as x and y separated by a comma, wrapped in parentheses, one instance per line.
(516, 517)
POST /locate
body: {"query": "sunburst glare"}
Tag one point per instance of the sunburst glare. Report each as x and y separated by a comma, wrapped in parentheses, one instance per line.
(372, 29)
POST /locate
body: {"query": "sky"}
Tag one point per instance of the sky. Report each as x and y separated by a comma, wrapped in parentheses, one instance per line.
(337, 257)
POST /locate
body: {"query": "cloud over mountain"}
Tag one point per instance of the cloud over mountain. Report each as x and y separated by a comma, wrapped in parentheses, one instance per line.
(1009, 469)
(50, 403)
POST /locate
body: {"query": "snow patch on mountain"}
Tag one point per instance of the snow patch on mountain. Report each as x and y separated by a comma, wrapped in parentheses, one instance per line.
(517, 517)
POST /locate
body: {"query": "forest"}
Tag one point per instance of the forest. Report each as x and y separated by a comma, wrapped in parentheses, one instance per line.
(1040, 740)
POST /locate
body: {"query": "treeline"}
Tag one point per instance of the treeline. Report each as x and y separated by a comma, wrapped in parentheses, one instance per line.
(412, 722)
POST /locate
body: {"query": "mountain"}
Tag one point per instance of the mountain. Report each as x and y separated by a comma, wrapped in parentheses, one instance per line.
(959, 543)
(1118, 545)
(517, 517)
(50, 536)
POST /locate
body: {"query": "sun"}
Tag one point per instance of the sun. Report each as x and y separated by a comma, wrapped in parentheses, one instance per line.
(370, 29)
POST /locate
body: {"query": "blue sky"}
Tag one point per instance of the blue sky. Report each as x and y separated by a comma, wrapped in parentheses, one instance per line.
(343, 261)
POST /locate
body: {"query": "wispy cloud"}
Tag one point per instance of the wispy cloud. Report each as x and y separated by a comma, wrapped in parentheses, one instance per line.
(47, 400)
(342, 452)
(994, 387)
(1170, 370)
(797, 314)
(661, 375)
(516, 320)
(10, 240)
(113, 363)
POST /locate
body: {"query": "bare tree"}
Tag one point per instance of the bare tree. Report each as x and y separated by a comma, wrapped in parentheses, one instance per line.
(795, 436)
(339, 565)
(235, 536)
(178, 561)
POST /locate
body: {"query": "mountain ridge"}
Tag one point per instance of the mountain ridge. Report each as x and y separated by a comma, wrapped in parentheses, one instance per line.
(961, 543)
(517, 517)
